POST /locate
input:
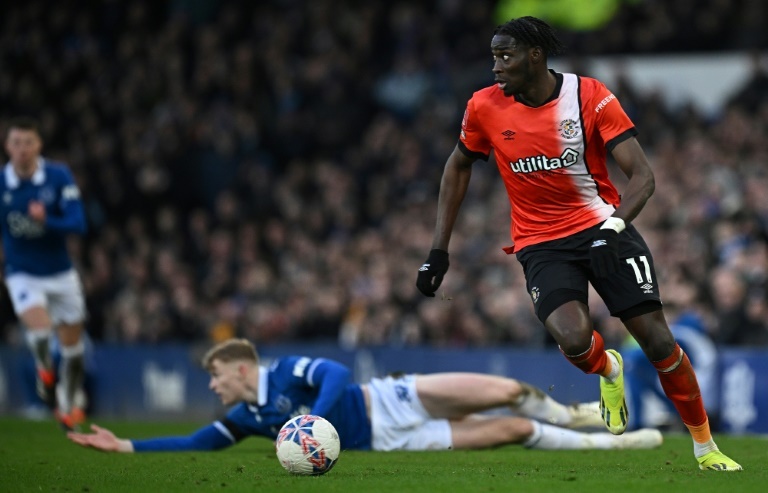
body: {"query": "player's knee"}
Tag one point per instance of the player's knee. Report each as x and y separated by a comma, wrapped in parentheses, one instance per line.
(513, 390)
(571, 327)
(70, 334)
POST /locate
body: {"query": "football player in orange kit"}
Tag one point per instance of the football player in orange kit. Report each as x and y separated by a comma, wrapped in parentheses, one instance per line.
(550, 133)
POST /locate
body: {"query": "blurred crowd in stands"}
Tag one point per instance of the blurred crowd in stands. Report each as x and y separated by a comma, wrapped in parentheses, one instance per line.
(270, 169)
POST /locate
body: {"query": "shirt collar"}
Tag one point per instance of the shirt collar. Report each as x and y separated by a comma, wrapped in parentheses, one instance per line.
(13, 180)
(263, 374)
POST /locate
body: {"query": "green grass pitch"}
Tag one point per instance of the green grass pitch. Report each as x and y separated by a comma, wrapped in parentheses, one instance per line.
(35, 456)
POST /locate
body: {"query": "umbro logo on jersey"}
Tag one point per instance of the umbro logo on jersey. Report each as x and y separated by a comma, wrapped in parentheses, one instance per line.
(508, 135)
(598, 243)
(647, 288)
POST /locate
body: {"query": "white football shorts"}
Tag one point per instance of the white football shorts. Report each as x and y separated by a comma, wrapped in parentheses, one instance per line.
(399, 420)
(61, 294)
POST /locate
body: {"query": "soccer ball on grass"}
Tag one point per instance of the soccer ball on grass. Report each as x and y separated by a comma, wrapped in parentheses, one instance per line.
(308, 445)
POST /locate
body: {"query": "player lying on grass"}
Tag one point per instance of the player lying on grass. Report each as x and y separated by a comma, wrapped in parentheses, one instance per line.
(412, 412)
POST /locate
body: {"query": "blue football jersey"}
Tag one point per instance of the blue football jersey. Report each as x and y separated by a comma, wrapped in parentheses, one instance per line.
(31, 247)
(290, 387)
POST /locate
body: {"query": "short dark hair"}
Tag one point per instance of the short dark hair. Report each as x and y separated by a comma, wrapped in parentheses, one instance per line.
(24, 123)
(532, 31)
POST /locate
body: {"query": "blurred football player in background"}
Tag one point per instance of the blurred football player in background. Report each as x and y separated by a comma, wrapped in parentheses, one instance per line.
(40, 206)
(437, 411)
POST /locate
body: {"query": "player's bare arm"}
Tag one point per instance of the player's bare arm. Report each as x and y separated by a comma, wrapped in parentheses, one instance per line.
(632, 161)
(604, 255)
(453, 188)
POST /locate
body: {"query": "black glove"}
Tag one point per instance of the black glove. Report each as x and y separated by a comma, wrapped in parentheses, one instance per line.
(604, 252)
(434, 268)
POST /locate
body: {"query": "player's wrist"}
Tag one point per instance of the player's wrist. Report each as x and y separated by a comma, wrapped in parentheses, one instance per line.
(438, 254)
(617, 224)
(124, 446)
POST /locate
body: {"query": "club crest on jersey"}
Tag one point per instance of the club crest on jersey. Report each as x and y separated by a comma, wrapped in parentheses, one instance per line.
(535, 294)
(283, 404)
(570, 128)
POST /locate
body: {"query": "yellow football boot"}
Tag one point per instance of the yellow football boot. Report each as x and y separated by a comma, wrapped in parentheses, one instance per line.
(718, 461)
(613, 406)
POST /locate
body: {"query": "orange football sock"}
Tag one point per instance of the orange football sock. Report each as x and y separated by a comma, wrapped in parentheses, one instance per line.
(679, 383)
(594, 359)
(701, 433)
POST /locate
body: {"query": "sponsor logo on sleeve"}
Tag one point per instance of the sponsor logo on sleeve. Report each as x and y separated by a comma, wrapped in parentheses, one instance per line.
(70, 192)
(602, 104)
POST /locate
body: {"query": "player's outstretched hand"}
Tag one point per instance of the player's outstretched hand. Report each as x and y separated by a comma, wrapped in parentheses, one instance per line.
(101, 439)
(432, 272)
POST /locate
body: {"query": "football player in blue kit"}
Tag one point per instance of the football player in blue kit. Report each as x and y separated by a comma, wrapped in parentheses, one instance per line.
(39, 207)
(437, 411)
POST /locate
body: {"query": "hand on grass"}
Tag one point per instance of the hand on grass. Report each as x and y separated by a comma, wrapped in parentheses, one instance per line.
(101, 439)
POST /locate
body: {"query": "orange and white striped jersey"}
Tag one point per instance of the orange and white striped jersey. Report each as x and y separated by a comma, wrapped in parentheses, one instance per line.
(552, 158)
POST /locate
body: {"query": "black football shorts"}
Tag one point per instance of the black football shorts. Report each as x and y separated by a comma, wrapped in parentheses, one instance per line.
(559, 271)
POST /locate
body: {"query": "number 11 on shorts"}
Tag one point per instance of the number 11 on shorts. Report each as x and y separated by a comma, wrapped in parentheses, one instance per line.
(644, 260)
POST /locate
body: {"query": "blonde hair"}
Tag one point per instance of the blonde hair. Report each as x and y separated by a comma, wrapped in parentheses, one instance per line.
(231, 350)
